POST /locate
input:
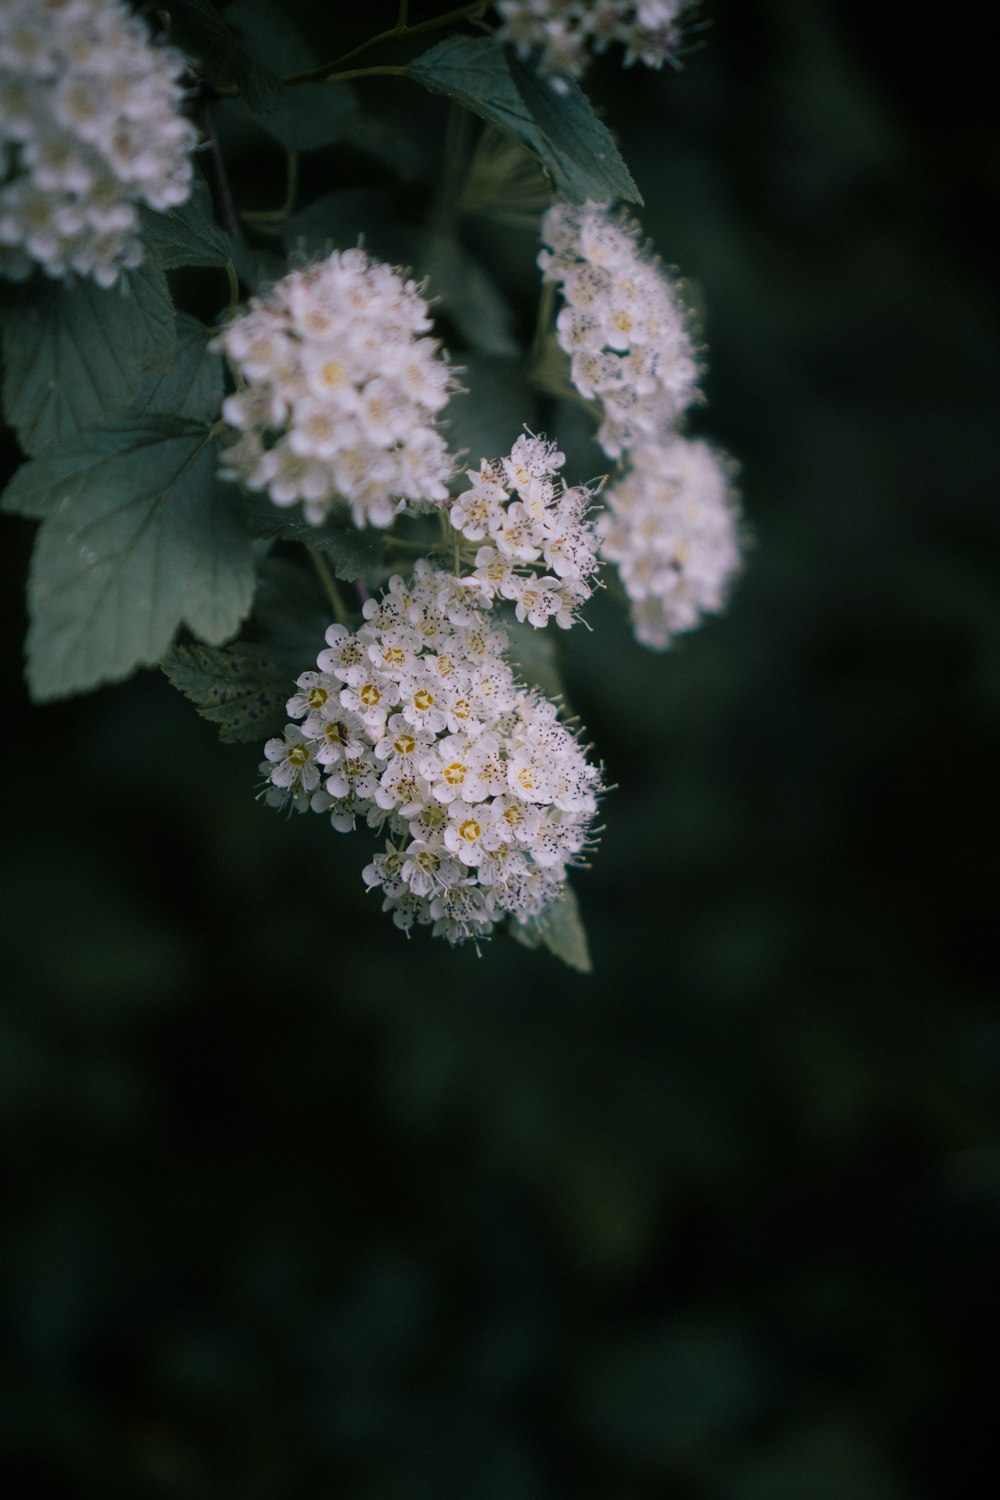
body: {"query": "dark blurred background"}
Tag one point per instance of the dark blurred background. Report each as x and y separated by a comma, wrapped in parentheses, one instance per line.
(295, 1207)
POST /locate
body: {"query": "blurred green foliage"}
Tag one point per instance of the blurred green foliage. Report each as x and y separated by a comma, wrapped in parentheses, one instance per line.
(297, 1207)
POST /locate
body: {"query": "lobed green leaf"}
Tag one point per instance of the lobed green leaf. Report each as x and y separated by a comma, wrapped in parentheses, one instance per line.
(562, 130)
(188, 235)
(75, 355)
(138, 538)
(243, 688)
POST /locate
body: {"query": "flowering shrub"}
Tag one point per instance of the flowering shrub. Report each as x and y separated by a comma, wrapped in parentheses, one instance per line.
(313, 434)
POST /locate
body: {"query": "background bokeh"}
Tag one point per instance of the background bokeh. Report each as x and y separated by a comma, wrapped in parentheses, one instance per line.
(293, 1206)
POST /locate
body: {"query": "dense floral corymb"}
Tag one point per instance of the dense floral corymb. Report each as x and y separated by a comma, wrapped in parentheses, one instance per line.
(415, 724)
(560, 34)
(623, 325)
(341, 391)
(90, 127)
(672, 528)
(528, 520)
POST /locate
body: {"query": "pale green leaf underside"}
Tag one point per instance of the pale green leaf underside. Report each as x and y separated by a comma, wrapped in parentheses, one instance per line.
(75, 355)
(560, 129)
(242, 688)
(561, 930)
(138, 539)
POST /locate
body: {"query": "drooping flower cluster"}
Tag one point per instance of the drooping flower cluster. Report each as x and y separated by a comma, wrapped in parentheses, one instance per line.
(341, 391)
(414, 723)
(671, 526)
(623, 325)
(90, 126)
(558, 33)
(547, 525)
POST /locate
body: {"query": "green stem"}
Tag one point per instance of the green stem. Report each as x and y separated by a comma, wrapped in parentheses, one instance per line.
(234, 287)
(394, 34)
(330, 586)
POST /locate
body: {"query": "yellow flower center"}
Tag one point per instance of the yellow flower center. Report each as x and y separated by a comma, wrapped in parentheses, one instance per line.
(470, 830)
(404, 744)
(316, 697)
(423, 700)
(454, 774)
(370, 694)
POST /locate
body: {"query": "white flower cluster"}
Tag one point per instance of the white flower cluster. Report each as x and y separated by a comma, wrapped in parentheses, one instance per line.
(547, 523)
(341, 392)
(623, 325)
(671, 526)
(90, 126)
(559, 32)
(414, 722)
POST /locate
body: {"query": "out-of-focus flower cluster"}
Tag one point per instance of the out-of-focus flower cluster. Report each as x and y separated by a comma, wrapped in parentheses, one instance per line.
(623, 325)
(671, 525)
(90, 126)
(561, 33)
(548, 524)
(415, 723)
(341, 389)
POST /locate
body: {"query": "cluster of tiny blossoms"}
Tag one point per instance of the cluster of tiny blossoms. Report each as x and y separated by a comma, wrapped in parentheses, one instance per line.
(547, 523)
(90, 126)
(415, 724)
(623, 325)
(671, 527)
(558, 33)
(341, 389)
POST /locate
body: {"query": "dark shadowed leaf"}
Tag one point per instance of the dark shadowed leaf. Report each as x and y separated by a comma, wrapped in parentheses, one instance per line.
(188, 235)
(216, 50)
(242, 688)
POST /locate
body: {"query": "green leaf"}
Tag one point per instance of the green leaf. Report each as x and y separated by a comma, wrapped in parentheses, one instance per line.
(138, 539)
(533, 655)
(199, 29)
(468, 295)
(351, 215)
(75, 356)
(486, 417)
(291, 611)
(307, 116)
(562, 131)
(560, 929)
(243, 688)
(580, 151)
(271, 35)
(351, 552)
(188, 235)
(192, 387)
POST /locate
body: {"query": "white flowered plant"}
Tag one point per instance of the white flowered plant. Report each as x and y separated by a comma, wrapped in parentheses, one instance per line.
(341, 389)
(415, 724)
(623, 325)
(90, 127)
(179, 468)
(561, 34)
